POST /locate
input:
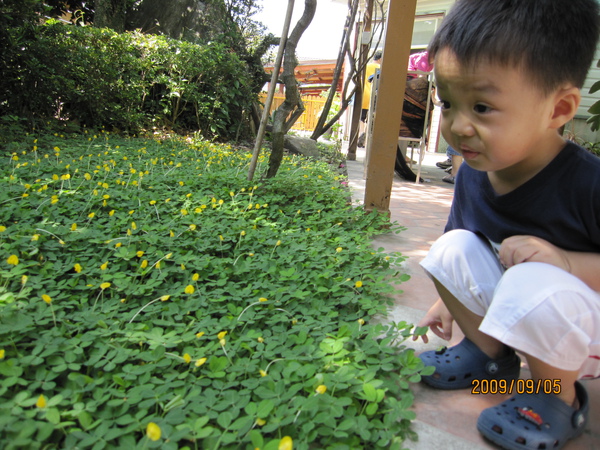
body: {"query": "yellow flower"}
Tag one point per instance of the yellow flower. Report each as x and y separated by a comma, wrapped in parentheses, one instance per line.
(105, 285)
(192, 227)
(221, 237)
(171, 234)
(2, 228)
(139, 254)
(184, 212)
(2, 353)
(187, 358)
(222, 334)
(41, 401)
(361, 321)
(321, 389)
(182, 266)
(35, 237)
(262, 373)
(153, 431)
(261, 339)
(222, 342)
(104, 266)
(153, 202)
(262, 299)
(189, 289)
(339, 249)
(144, 264)
(111, 213)
(13, 260)
(73, 227)
(243, 233)
(164, 298)
(133, 225)
(195, 277)
(260, 422)
(91, 215)
(24, 279)
(47, 298)
(278, 243)
(200, 361)
(87, 176)
(77, 268)
(286, 443)
(358, 284)
(118, 244)
(157, 265)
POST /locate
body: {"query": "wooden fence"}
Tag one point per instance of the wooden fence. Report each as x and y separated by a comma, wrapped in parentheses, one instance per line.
(313, 105)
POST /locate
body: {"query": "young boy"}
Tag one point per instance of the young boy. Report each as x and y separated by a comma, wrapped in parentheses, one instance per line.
(518, 267)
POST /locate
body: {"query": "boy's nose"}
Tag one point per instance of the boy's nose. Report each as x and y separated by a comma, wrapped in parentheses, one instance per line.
(461, 125)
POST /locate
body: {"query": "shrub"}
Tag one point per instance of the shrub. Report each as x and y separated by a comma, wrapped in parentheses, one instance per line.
(152, 297)
(127, 81)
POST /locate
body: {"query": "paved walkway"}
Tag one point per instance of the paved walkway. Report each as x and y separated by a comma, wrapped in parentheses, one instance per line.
(445, 419)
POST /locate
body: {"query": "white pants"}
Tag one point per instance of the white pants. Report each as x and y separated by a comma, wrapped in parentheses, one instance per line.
(535, 308)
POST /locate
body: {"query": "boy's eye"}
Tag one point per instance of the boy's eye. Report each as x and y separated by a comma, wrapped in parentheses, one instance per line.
(481, 109)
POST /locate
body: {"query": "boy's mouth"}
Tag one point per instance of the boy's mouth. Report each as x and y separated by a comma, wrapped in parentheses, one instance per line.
(467, 153)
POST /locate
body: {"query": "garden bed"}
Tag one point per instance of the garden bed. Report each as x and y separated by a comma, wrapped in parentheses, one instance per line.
(150, 296)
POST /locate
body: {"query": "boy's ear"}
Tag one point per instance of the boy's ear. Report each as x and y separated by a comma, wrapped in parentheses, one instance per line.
(565, 106)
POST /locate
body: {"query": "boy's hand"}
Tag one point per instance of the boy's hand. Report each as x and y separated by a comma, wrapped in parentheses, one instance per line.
(518, 249)
(439, 320)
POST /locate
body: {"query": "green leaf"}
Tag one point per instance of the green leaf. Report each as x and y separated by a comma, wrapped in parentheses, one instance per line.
(370, 392)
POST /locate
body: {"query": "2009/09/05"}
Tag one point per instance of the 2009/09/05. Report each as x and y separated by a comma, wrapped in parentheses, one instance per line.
(515, 386)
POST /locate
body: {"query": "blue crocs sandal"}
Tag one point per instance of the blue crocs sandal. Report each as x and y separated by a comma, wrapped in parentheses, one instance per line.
(456, 367)
(534, 421)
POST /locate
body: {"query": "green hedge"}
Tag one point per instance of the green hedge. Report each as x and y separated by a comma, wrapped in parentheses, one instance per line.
(125, 81)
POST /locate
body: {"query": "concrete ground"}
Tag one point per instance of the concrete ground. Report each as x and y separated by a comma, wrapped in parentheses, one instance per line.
(445, 419)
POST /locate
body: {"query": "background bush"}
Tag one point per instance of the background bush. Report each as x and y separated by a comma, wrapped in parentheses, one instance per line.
(126, 81)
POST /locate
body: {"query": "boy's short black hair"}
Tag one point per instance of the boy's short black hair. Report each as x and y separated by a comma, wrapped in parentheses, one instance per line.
(554, 41)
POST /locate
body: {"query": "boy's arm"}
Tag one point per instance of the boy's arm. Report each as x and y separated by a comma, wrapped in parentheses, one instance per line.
(585, 266)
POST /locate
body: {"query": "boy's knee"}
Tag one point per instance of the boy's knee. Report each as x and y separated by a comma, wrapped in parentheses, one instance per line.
(456, 239)
(458, 245)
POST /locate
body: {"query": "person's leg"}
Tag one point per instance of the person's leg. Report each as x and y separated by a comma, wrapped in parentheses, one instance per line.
(466, 271)
(553, 318)
(469, 322)
(456, 160)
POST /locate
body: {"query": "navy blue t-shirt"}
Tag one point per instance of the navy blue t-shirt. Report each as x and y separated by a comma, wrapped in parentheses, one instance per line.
(560, 204)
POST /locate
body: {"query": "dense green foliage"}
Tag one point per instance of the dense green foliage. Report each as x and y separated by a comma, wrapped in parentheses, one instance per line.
(126, 81)
(151, 297)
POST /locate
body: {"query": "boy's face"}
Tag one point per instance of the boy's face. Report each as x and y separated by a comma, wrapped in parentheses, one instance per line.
(495, 117)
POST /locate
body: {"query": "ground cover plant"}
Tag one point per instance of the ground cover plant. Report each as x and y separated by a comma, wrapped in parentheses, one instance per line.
(151, 297)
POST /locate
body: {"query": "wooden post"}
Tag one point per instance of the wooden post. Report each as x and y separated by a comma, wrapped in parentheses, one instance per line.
(388, 110)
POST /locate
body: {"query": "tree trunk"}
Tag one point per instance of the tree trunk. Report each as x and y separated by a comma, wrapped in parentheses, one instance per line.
(292, 94)
(110, 14)
(321, 128)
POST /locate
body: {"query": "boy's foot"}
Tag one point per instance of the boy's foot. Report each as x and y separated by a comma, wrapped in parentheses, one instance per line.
(534, 421)
(457, 367)
(444, 164)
